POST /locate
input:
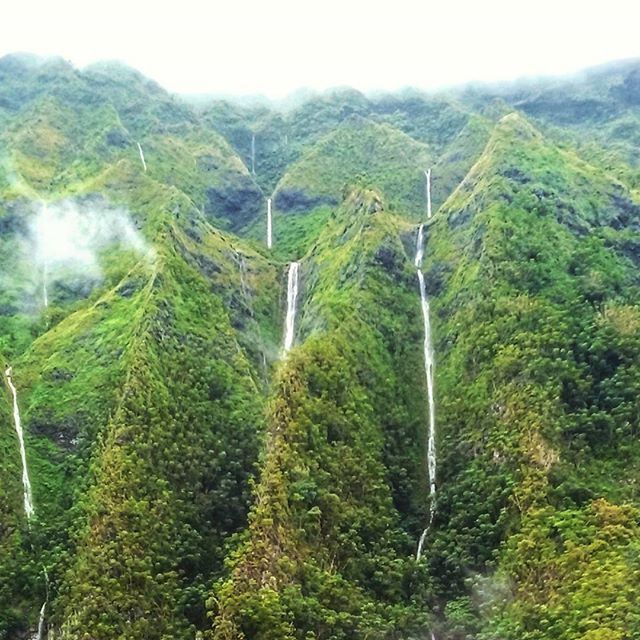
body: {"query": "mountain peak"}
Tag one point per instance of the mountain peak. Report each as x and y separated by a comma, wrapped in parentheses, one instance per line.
(517, 126)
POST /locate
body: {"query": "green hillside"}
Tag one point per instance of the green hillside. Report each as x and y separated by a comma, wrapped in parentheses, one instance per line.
(190, 479)
(534, 299)
(377, 154)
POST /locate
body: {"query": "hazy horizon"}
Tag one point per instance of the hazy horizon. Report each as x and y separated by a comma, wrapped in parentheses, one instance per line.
(272, 50)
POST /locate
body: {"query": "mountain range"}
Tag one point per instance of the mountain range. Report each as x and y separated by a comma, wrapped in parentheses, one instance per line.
(169, 468)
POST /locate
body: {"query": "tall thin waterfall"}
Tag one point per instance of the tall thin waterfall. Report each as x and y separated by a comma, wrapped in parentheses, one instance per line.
(29, 509)
(26, 483)
(144, 164)
(253, 154)
(427, 174)
(292, 297)
(419, 248)
(43, 609)
(428, 368)
(269, 225)
(41, 620)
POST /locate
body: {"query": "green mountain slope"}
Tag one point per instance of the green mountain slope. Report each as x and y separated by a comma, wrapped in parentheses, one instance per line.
(382, 155)
(531, 274)
(88, 392)
(337, 509)
(192, 480)
(57, 140)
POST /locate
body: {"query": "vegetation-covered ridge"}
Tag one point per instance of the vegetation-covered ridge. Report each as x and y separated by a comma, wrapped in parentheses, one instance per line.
(331, 535)
(191, 479)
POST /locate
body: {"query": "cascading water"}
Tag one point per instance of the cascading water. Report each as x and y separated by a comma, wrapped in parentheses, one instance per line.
(292, 297)
(429, 369)
(26, 483)
(41, 620)
(427, 174)
(242, 270)
(144, 164)
(29, 509)
(44, 255)
(419, 248)
(269, 225)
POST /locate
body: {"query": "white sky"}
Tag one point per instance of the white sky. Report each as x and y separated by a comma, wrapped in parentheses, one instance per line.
(276, 46)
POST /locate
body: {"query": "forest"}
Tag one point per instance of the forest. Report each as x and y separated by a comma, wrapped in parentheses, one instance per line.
(367, 366)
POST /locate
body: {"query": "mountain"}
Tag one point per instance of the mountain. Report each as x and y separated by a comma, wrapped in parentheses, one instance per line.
(598, 108)
(195, 474)
(57, 140)
(379, 154)
(531, 275)
(329, 536)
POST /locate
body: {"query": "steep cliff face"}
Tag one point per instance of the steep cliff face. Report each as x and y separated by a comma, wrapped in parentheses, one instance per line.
(338, 506)
(530, 271)
(65, 128)
(190, 479)
(382, 155)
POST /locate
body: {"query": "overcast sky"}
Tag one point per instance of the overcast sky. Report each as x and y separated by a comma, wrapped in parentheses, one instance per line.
(274, 47)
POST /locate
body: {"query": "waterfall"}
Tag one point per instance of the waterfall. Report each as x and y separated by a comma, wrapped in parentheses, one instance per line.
(238, 258)
(428, 368)
(44, 250)
(41, 620)
(427, 174)
(40, 635)
(419, 247)
(292, 296)
(269, 225)
(144, 164)
(27, 495)
(253, 154)
(26, 483)
(242, 268)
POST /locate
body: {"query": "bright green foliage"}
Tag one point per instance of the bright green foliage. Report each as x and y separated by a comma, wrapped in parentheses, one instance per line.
(533, 412)
(327, 554)
(190, 482)
(576, 574)
(377, 154)
(16, 568)
(171, 475)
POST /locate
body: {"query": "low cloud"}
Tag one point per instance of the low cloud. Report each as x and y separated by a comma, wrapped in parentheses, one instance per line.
(72, 235)
(55, 248)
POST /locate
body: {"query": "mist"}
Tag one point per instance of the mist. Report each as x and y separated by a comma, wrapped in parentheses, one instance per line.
(72, 235)
(54, 252)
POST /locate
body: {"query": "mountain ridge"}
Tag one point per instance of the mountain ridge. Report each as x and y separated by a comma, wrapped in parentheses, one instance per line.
(194, 477)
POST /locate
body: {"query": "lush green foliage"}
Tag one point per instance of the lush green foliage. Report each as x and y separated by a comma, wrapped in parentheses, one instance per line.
(377, 154)
(190, 482)
(536, 420)
(327, 552)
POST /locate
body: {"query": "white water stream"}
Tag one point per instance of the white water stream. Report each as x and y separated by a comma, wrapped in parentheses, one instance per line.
(292, 297)
(427, 174)
(269, 225)
(144, 164)
(27, 494)
(429, 369)
(26, 483)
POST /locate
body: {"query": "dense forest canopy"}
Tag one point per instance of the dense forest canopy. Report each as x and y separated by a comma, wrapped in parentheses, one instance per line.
(190, 477)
